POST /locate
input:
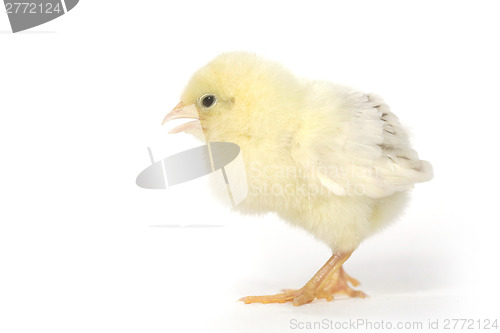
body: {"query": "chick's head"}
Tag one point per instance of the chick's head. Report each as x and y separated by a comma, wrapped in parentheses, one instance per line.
(236, 98)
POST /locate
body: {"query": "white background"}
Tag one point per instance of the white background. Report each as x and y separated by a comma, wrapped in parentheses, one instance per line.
(83, 249)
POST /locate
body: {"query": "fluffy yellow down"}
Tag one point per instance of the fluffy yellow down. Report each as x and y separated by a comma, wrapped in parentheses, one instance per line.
(325, 157)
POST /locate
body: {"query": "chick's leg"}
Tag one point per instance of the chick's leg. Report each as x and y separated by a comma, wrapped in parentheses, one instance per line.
(330, 279)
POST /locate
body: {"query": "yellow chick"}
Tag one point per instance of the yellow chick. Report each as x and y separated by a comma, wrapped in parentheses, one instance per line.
(327, 158)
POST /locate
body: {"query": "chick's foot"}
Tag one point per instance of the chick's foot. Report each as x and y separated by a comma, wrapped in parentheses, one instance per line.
(330, 280)
(340, 284)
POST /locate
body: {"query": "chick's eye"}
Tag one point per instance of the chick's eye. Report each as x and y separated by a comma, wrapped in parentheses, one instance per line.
(208, 101)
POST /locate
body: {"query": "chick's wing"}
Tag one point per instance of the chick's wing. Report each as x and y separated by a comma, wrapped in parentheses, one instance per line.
(358, 147)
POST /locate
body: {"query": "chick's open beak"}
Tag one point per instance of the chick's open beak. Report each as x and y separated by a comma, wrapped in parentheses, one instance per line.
(181, 111)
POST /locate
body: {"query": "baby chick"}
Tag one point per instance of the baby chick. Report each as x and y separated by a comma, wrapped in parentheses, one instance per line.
(328, 158)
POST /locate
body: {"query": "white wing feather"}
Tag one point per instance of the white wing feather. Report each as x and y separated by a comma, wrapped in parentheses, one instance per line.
(365, 151)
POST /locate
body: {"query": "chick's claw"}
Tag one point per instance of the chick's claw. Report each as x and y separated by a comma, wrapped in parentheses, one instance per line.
(298, 297)
(284, 297)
